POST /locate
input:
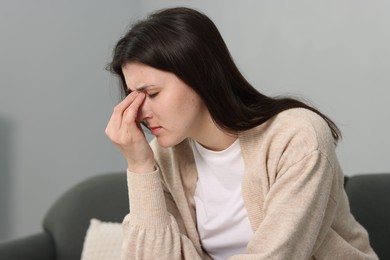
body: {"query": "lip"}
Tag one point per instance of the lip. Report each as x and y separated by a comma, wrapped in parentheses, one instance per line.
(155, 129)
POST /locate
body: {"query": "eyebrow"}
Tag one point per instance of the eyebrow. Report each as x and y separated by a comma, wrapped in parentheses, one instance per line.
(143, 87)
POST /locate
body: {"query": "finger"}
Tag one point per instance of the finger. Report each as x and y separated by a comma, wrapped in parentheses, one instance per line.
(117, 115)
(122, 106)
(130, 115)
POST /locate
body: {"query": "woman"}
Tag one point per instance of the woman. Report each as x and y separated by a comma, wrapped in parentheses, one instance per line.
(232, 173)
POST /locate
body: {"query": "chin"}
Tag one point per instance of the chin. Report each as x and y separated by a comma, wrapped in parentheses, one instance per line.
(166, 142)
(163, 142)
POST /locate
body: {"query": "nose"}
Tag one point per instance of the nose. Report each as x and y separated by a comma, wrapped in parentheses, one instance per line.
(144, 111)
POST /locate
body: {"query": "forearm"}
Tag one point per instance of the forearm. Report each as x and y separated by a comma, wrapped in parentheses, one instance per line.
(150, 232)
(147, 203)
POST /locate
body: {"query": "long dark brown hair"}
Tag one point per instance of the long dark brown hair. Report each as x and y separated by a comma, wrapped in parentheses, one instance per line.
(187, 43)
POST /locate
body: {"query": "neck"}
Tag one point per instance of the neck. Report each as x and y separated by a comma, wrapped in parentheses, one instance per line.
(213, 138)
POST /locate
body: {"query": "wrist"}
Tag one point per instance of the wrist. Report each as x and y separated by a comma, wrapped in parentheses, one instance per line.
(143, 168)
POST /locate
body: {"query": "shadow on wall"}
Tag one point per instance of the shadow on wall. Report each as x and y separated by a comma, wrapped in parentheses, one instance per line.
(5, 177)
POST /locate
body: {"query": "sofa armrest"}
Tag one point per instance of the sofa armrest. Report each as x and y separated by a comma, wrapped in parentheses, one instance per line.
(34, 247)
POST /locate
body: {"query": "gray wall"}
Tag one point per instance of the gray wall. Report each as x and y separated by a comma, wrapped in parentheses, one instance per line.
(57, 98)
(5, 176)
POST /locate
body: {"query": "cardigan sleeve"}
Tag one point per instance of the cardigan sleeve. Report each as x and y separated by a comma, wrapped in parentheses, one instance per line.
(150, 231)
(295, 194)
(297, 209)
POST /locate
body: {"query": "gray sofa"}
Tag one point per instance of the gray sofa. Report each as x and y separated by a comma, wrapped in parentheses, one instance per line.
(105, 197)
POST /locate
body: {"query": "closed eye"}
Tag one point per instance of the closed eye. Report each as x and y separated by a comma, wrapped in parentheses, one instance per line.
(152, 95)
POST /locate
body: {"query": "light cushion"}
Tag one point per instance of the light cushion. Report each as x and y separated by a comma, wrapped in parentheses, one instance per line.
(103, 241)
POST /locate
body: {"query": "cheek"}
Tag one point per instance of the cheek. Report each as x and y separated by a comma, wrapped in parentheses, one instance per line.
(178, 109)
(174, 106)
(191, 113)
(187, 109)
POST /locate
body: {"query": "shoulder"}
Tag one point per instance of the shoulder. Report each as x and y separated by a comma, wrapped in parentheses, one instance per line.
(303, 122)
(296, 124)
(290, 136)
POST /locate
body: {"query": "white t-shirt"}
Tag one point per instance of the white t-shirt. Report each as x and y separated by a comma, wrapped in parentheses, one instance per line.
(222, 219)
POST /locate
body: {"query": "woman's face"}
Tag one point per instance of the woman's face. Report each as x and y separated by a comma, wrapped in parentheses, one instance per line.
(171, 109)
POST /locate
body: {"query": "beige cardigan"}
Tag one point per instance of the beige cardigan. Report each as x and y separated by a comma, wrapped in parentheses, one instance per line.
(292, 190)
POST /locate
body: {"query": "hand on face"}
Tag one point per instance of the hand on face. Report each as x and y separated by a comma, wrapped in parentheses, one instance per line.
(125, 132)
